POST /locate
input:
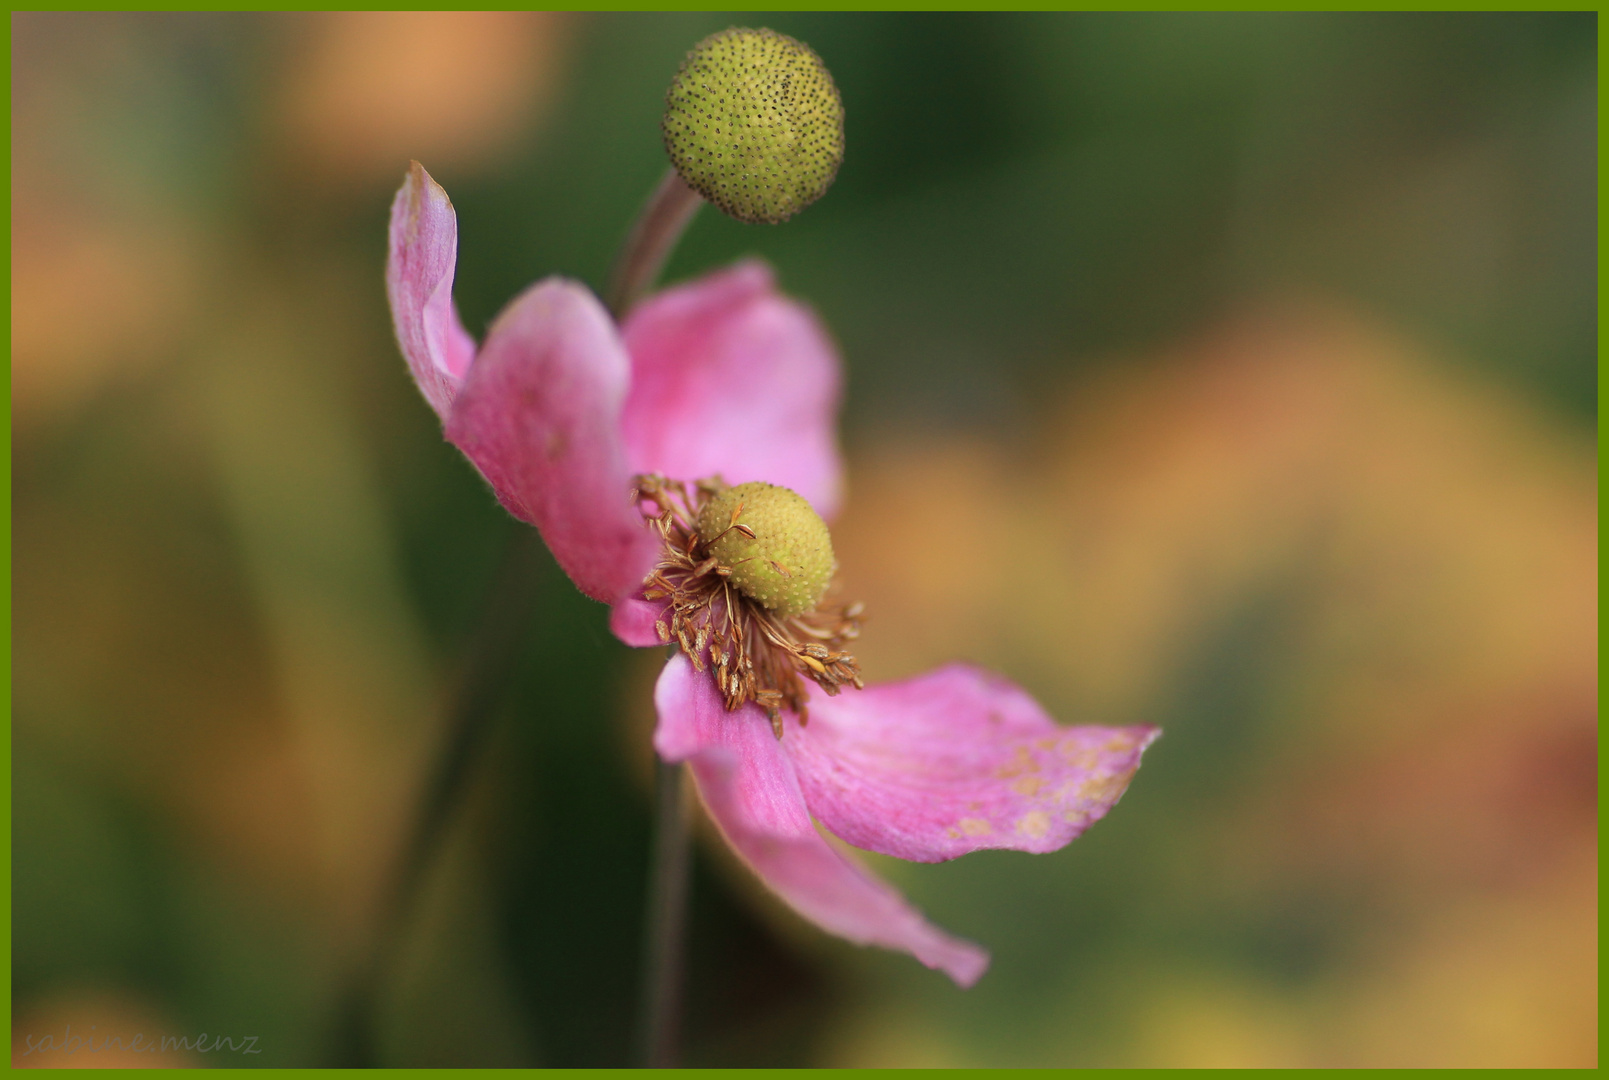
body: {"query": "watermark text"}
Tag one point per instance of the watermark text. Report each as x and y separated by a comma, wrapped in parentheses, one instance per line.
(138, 1043)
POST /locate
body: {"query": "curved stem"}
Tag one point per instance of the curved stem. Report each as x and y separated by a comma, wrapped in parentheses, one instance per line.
(490, 658)
(652, 238)
(666, 922)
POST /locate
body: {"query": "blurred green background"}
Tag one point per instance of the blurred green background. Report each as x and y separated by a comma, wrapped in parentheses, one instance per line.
(1233, 373)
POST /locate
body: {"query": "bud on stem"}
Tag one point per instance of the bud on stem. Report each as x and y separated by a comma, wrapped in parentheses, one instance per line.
(754, 124)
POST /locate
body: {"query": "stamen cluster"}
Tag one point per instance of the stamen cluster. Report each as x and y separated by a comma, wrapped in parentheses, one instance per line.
(755, 653)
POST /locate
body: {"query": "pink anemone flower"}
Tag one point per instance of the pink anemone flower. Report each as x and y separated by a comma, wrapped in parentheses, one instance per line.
(565, 413)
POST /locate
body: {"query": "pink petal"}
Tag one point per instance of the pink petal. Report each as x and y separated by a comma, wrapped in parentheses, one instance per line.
(730, 377)
(953, 761)
(632, 621)
(749, 788)
(419, 282)
(539, 415)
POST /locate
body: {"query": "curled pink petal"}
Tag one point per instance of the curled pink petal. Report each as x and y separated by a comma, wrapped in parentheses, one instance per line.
(419, 282)
(749, 788)
(539, 415)
(953, 761)
(730, 377)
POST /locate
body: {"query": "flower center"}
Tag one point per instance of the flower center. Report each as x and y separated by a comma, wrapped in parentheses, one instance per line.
(743, 575)
(771, 544)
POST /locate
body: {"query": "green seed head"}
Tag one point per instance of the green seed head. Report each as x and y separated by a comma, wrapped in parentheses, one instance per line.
(754, 124)
(787, 563)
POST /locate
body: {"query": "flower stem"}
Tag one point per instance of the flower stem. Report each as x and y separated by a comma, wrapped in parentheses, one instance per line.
(485, 675)
(663, 219)
(666, 921)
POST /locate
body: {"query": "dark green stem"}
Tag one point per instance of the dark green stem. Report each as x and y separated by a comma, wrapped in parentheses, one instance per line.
(665, 928)
(488, 664)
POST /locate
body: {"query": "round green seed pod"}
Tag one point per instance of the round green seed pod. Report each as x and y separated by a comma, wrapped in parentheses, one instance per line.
(754, 124)
(786, 565)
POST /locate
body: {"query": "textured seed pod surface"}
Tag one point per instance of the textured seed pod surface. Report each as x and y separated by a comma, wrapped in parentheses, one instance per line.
(786, 564)
(754, 124)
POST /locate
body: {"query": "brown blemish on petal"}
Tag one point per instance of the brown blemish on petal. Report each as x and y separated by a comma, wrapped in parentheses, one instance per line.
(1022, 762)
(416, 201)
(1034, 824)
(1079, 757)
(974, 826)
(1028, 785)
(1106, 788)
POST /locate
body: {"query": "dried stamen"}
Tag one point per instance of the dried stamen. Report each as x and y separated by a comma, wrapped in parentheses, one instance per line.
(754, 653)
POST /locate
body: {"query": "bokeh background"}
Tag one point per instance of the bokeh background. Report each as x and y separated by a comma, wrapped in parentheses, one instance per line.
(1235, 374)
